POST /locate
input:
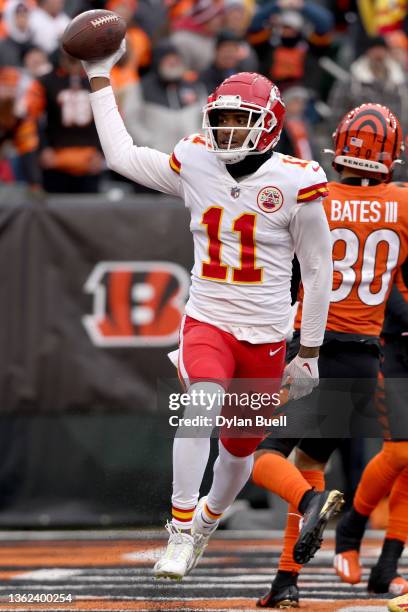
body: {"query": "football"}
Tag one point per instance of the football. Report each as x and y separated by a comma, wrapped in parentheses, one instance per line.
(94, 35)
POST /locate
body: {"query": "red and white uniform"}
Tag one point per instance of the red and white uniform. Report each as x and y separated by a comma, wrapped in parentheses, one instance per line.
(243, 245)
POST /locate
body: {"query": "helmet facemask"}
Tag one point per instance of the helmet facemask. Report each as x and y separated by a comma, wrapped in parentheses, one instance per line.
(261, 121)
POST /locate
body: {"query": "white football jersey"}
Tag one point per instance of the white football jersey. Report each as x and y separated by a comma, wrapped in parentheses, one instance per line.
(243, 248)
(245, 232)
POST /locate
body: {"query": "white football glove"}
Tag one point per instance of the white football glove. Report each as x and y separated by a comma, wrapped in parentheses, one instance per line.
(103, 67)
(302, 375)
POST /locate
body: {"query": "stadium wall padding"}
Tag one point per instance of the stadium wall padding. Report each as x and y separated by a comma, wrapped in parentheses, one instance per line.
(82, 440)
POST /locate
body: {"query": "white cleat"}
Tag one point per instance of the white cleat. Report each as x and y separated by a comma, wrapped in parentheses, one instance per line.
(201, 533)
(177, 560)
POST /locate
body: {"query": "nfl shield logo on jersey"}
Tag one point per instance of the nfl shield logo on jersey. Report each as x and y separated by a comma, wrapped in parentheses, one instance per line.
(235, 191)
(270, 199)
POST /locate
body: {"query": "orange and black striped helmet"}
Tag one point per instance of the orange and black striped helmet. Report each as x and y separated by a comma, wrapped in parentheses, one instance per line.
(368, 140)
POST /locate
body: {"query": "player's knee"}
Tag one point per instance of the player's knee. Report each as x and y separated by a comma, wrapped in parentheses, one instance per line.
(305, 462)
(396, 453)
(201, 412)
(205, 399)
(240, 447)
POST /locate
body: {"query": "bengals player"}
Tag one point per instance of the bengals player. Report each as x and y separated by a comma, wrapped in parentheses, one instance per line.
(387, 472)
(250, 210)
(368, 219)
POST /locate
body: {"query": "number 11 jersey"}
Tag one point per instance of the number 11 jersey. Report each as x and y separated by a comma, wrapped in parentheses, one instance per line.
(243, 245)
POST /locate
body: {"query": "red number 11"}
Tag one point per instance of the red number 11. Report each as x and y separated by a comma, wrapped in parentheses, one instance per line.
(214, 269)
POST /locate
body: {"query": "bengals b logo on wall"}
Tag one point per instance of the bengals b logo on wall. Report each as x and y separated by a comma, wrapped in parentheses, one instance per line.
(136, 303)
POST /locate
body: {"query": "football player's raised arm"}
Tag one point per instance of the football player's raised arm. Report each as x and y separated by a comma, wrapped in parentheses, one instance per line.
(311, 236)
(145, 166)
(140, 164)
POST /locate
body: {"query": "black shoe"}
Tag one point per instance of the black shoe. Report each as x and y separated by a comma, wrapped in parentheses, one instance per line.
(384, 577)
(350, 531)
(318, 513)
(382, 580)
(283, 597)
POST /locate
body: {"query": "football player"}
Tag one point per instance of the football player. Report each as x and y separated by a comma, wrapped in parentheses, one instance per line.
(387, 472)
(368, 218)
(250, 210)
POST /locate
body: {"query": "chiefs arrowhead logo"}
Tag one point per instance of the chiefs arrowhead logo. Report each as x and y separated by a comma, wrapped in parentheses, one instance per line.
(270, 199)
(136, 303)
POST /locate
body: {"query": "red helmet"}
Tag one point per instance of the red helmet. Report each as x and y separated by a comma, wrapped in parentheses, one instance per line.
(368, 140)
(255, 94)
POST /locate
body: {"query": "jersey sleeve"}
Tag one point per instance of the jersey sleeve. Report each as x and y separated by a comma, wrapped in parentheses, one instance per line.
(311, 238)
(182, 151)
(313, 184)
(143, 165)
(174, 162)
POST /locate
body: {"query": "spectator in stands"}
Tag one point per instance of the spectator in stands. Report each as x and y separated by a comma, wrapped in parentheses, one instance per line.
(179, 8)
(237, 17)
(168, 105)
(48, 23)
(296, 138)
(373, 77)
(398, 45)
(21, 162)
(320, 18)
(70, 156)
(75, 7)
(153, 17)
(138, 55)
(288, 55)
(36, 63)
(344, 13)
(17, 25)
(226, 61)
(194, 35)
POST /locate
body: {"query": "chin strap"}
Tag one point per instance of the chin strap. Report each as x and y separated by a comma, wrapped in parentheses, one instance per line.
(230, 158)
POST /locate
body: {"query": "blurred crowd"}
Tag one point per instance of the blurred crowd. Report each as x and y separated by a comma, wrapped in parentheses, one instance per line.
(327, 56)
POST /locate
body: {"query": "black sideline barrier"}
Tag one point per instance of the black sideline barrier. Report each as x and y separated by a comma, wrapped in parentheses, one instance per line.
(91, 295)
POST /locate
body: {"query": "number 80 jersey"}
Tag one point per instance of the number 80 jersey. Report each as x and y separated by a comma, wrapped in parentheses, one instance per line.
(369, 229)
(243, 248)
